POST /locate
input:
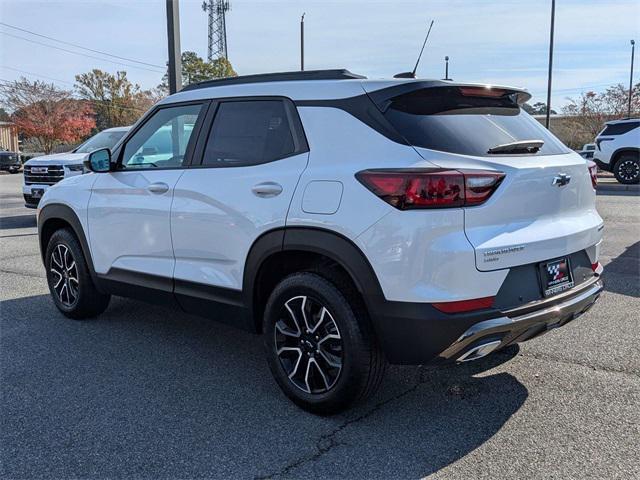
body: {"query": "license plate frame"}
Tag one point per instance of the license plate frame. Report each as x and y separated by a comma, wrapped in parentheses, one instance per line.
(556, 276)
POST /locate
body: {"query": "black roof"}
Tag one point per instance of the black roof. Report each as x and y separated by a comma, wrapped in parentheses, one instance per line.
(336, 74)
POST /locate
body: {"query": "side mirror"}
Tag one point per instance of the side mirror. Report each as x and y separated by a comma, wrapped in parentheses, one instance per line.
(99, 161)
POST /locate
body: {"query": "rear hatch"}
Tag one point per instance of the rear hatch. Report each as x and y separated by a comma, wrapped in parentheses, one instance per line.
(544, 208)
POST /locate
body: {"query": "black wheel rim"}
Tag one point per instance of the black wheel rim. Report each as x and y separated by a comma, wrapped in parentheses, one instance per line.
(64, 275)
(629, 170)
(309, 345)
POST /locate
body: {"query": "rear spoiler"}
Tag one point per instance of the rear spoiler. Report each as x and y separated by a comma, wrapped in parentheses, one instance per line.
(382, 98)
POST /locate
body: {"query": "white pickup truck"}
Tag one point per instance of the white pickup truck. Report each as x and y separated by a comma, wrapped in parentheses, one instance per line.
(42, 172)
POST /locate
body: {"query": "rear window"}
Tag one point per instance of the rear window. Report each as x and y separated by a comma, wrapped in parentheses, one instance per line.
(467, 121)
(619, 128)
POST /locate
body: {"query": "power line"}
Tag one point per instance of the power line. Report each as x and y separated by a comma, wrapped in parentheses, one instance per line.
(77, 97)
(36, 74)
(80, 46)
(77, 53)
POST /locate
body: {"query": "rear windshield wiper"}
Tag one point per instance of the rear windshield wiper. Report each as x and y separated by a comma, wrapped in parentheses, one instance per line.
(522, 146)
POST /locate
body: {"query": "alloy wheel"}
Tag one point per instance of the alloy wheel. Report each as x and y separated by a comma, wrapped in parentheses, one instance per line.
(65, 275)
(309, 345)
(629, 170)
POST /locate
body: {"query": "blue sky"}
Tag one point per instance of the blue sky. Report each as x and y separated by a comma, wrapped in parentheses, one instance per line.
(502, 42)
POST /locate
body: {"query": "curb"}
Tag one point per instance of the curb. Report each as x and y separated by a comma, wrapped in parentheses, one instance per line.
(617, 187)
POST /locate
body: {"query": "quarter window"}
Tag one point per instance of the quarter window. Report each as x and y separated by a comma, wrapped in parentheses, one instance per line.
(162, 141)
(619, 128)
(249, 133)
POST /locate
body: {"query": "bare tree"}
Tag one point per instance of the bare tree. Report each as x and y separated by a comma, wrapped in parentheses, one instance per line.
(588, 113)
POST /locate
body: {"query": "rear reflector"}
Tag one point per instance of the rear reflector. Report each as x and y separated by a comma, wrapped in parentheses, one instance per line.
(465, 305)
(431, 188)
(593, 172)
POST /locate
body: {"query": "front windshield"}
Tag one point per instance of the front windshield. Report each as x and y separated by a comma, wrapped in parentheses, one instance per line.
(100, 140)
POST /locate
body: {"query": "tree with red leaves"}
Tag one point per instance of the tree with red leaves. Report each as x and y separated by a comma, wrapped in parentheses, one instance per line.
(47, 114)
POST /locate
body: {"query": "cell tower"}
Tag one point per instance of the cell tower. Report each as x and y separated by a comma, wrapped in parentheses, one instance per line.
(217, 27)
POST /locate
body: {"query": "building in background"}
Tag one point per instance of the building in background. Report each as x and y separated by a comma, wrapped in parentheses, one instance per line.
(9, 137)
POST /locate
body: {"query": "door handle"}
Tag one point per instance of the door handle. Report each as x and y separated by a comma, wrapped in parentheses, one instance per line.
(158, 187)
(267, 189)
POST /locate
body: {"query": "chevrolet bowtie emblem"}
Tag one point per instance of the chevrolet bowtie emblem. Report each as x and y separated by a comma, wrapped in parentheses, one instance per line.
(561, 180)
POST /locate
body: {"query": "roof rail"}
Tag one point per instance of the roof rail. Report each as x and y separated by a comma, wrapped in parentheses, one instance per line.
(336, 74)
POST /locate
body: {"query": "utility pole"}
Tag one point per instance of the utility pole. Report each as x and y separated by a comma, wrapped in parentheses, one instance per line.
(217, 32)
(302, 42)
(633, 50)
(173, 37)
(446, 68)
(553, 19)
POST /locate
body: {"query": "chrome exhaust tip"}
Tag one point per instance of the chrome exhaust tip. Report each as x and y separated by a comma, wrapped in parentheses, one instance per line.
(479, 351)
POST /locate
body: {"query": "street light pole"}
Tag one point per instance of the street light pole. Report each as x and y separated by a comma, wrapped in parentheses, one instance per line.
(553, 18)
(633, 48)
(173, 37)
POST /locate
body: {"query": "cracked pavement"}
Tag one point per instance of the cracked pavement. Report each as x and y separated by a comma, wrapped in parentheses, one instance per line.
(153, 393)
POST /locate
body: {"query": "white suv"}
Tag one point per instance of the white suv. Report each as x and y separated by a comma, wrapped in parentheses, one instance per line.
(42, 172)
(350, 222)
(618, 150)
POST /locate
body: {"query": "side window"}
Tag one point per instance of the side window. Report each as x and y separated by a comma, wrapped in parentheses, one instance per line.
(249, 133)
(162, 141)
(620, 128)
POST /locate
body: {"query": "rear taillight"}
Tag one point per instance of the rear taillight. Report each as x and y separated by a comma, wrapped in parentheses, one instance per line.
(593, 172)
(431, 188)
(465, 305)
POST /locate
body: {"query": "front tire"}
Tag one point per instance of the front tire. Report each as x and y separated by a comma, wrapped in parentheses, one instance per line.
(319, 344)
(627, 169)
(70, 283)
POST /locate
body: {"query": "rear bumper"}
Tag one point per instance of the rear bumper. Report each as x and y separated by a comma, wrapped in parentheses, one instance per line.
(10, 168)
(521, 324)
(419, 334)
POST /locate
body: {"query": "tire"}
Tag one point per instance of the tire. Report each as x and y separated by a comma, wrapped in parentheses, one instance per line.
(627, 169)
(69, 280)
(14, 171)
(334, 366)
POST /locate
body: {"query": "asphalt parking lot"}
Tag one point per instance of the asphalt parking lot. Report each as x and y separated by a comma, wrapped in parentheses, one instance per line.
(149, 393)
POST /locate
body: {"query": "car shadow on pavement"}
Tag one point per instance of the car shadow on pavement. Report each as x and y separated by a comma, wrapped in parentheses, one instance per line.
(154, 393)
(18, 221)
(622, 273)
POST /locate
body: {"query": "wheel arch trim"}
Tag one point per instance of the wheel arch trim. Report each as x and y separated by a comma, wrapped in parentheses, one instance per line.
(620, 151)
(57, 211)
(322, 241)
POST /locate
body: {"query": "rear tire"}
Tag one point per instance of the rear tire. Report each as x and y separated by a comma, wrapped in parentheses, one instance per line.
(319, 344)
(627, 169)
(70, 283)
